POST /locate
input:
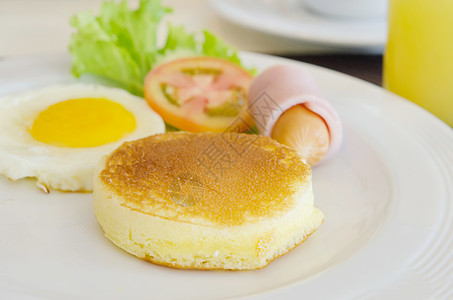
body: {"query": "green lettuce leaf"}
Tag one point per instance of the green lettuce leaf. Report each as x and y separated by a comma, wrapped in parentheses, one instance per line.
(180, 43)
(213, 46)
(179, 38)
(121, 44)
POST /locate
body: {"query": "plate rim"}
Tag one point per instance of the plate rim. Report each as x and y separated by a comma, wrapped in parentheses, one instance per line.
(229, 11)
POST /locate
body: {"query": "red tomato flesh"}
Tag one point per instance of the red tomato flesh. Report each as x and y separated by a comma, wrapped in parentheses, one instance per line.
(200, 94)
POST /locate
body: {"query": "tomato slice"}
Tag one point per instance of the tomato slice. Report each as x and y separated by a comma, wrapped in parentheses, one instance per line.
(200, 94)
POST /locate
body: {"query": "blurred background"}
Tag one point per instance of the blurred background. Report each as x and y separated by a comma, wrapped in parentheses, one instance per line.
(350, 44)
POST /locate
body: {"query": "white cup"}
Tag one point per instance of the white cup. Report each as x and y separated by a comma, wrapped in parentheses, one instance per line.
(364, 9)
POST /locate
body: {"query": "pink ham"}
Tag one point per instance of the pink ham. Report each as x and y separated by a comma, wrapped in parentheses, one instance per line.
(281, 87)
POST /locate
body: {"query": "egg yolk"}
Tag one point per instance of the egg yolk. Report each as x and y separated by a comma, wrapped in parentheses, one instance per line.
(87, 122)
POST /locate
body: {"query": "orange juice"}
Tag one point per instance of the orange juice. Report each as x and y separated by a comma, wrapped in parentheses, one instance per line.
(418, 62)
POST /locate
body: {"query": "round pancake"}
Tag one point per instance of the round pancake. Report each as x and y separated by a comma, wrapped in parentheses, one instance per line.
(205, 200)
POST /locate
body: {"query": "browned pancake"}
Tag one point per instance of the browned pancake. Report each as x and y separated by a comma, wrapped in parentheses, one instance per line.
(205, 200)
(209, 178)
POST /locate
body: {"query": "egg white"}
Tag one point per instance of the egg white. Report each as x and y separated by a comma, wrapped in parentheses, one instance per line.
(61, 168)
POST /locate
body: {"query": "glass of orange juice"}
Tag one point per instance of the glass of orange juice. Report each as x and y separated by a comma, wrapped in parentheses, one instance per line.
(418, 61)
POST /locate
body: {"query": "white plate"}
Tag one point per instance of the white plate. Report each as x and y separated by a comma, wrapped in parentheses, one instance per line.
(387, 196)
(291, 19)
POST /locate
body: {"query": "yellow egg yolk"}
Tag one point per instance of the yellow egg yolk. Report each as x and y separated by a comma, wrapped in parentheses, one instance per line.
(87, 122)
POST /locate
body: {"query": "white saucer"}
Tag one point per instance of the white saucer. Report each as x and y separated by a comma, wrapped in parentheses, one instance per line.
(291, 19)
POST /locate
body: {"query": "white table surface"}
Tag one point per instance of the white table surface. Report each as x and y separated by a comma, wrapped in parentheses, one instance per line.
(30, 27)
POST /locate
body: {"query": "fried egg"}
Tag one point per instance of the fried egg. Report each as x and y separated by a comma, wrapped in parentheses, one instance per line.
(59, 133)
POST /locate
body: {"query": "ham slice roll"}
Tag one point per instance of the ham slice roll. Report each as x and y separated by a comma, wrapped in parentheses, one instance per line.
(280, 88)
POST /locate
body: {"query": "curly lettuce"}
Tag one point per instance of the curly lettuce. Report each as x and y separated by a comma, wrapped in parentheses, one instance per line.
(120, 44)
